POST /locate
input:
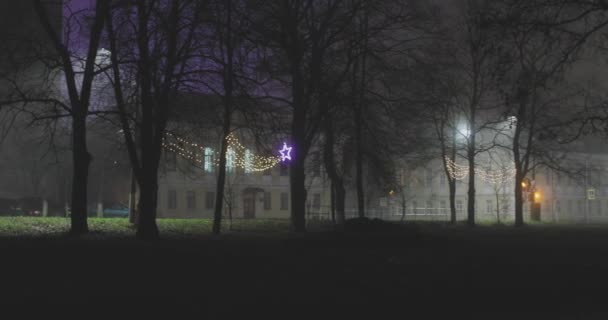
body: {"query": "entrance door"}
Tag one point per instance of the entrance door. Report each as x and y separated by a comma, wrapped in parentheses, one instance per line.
(249, 205)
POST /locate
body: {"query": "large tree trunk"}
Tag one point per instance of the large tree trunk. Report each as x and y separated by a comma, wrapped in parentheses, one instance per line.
(519, 197)
(81, 160)
(452, 187)
(471, 158)
(340, 202)
(133, 200)
(359, 163)
(221, 176)
(338, 191)
(298, 193)
(332, 196)
(148, 196)
(228, 87)
(452, 182)
(297, 176)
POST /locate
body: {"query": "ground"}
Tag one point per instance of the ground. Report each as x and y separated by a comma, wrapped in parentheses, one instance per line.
(426, 270)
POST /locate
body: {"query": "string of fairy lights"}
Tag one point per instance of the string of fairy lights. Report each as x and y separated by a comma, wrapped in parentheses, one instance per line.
(460, 172)
(236, 155)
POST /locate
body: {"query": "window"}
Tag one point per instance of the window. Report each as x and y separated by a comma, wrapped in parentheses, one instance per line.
(558, 206)
(489, 206)
(442, 180)
(316, 201)
(172, 199)
(230, 155)
(580, 207)
(429, 178)
(316, 164)
(284, 201)
(248, 161)
(170, 160)
(284, 170)
(209, 199)
(267, 201)
(208, 160)
(191, 200)
(415, 207)
(267, 172)
(429, 207)
(442, 207)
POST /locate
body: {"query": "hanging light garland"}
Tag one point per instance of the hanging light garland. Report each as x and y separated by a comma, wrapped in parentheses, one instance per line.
(236, 155)
(456, 171)
(460, 172)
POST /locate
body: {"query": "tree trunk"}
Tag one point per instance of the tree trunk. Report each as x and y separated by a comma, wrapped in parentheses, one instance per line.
(298, 193)
(519, 198)
(228, 87)
(148, 195)
(498, 206)
(81, 160)
(359, 163)
(297, 176)
(471, 193)
(340, 202)
(221, 179)
(132, 200)
(452, 187)
(332, 196)
(148, 186)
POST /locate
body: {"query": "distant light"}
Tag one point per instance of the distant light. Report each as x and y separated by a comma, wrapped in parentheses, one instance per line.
(391, 192)
(537, 196)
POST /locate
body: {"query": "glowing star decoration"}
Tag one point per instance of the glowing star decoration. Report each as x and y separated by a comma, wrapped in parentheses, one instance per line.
(285, 152)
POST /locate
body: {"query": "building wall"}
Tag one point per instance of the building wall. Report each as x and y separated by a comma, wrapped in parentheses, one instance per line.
(187, 178)
(563, 193)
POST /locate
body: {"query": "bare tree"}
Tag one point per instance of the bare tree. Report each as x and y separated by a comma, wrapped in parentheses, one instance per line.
(163, 38)
(79, 97)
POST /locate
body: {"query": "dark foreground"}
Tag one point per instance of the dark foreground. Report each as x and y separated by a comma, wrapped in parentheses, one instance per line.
(438, 272)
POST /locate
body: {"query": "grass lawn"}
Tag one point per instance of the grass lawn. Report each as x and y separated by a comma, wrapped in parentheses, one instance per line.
(430, 271)
(117, 227)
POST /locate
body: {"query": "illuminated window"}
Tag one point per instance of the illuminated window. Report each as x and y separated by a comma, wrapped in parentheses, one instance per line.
(208, 160)
(248, 161)
(230, 160)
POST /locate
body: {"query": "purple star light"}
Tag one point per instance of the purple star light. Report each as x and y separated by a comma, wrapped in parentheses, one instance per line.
(285, 152)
